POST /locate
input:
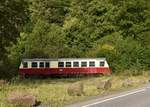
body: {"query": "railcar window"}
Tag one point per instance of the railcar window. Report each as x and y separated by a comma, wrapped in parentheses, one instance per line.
(25, 65)
(75, 64)
(34, 64)
(83, 64)
(47, 64)
(102, 63)
(42, 64)
(91, 64)
(68, 64)
(60, 64)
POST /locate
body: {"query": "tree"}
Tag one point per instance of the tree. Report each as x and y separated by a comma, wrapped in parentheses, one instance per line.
(132, 18)
(51, 11)
(87, 22)
(122, 54)
(115, 29)
(13, 15)
(45, 40)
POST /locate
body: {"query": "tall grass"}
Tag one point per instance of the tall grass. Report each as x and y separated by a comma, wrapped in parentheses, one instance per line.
(54, 90)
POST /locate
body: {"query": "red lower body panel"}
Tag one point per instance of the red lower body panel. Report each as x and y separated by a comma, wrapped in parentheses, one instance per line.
(64, 71)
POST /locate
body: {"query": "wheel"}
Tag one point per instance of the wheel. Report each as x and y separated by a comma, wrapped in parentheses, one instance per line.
(27, 76)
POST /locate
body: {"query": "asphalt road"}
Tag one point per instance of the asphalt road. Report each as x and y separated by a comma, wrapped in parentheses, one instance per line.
(133, 98)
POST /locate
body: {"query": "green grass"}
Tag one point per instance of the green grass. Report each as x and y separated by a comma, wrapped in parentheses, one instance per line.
(54, 90)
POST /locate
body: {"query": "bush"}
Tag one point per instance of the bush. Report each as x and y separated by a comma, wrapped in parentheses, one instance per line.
(122, 53)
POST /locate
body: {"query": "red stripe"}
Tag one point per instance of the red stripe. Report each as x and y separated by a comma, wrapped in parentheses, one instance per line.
(52, 71)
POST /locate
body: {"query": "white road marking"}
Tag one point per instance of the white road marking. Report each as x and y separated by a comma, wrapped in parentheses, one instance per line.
(91, 104)
(147, 87)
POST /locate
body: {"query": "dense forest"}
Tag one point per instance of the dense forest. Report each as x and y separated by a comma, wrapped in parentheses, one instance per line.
(116, 29)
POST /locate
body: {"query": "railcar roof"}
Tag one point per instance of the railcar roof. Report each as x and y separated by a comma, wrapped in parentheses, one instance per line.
(40, 59)
(56, 59)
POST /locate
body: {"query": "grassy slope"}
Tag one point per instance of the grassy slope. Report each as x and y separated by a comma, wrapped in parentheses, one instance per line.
(54, 91)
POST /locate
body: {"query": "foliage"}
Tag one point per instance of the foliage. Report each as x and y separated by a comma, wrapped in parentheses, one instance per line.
(13, 15)
(122, 53)
(51, 11)
(116, 29)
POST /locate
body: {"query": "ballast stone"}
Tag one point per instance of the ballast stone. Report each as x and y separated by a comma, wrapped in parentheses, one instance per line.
(104, 84)
(76, 89)
(21, 98)
(3, 82)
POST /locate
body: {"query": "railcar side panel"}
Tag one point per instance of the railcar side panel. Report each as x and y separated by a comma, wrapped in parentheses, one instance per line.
(64, 71)
(69, 67)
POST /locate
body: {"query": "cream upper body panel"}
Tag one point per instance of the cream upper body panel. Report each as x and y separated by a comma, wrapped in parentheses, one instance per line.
(53, 63)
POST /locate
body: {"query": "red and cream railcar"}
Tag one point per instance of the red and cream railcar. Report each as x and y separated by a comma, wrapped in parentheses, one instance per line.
(64, 66)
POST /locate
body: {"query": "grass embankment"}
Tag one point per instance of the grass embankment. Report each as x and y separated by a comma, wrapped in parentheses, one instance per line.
(54, 91)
